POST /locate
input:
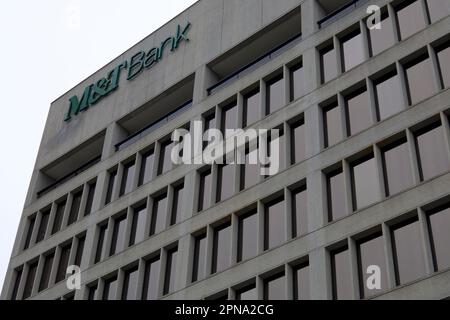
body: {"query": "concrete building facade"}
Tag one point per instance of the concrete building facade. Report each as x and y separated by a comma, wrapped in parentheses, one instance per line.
(365, 179)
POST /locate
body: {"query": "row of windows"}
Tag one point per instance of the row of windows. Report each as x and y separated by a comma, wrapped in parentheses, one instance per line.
(62, 213)
(354, 45)
(47, 269)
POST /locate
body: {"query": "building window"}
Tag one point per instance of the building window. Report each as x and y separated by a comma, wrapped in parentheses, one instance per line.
(79, 253)
(46, 271)
(420, 79)
(365, 185)
(432, 151)
(28, 289)
(165, 161)
(110, 289)
(59, 216)
(252, 107)
(438, 9)
(275, 233)
(397, 167)
(341, 274)
(229, 118)
(247, 293)
(411, 18)
(250, 170)
(388, 95)
(137, 233)
(408, 255)
(159, 213)
(297, 74)
(370, 252)
(439, 224)
(130, 282)
(301, 282)
(328, 63)
(75, 208)
(127, 178)
(221, 248)
(17, 278)
(151, 279)
(336, 195)
(110, 189)
(118, 236)
(31, 222)
(275, 94)
(177, 206)
(443, 54)
(209, 123)
(100, 242)
(198, 268)
(332, 124)
(43, 225)
(146, 173)
(248, 236)
(171, 270)
(298, 141)
(275, 287)
(299, 212)
(281, 148)
(225, 179)
(352, 50)
(358, 111)
(204, 200)
(92, 291)
(90, 199)
(381, 39)
(63, 262)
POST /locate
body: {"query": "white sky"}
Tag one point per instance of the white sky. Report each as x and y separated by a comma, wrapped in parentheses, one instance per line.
(46, 48)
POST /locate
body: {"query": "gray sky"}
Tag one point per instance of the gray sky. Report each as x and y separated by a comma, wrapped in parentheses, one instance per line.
(47, 47)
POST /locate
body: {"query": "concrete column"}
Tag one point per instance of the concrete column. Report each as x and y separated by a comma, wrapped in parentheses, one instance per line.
(38, 276)
(287, 214)
(311, 67)
(403, 84)
(393, 19)
(316, 201)
(320, 274)
(446, 131)
(389, 254)
(312, 12)
(354, 278)
(425, 240)
(204, 78)
(379, 165)
(438, 85)
(51, 220)
(348, 187)
(313, 131)
(260, 234)
(120, 283)
(182, 263)
(100, 192)
(234, 238)
(372, 101)
(114, 134)
(413, 156)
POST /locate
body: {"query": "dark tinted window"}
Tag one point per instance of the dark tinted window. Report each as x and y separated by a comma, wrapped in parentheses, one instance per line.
(439, 222)
(159, 214)
(274, 218)
(297, 82)
(171, 270)
(79, 253)
(28, 289)
(247, 236)
(151, 280)
(100, 242)
(145, 175)
(352, 50)
(410, 17)
(301, 282)
(59, 216)
(388, 95)
(130, 283)
(275, 94)
(275, 287)
(371, 253)
(31, 222)
(177, 206)
(138, 226)
(366, 189)
(336, 195)
(332, 124)
(110, 190)
(408, 255)
(198, 269)
(432, 151)
(165, 158)
(444, 63)
(247, 293)
(127, 178)
(46, 270)
(110, 289)
(204, 200)
(420, 79)
(229, 118)
(17, 279)
(341, 274)
(75, 208)
(63, 263)
(221, 248)
(90, 199)
(298, 142)
(328, 63)
(358, 111)
(397, 167)
(438, 9)
(118, 236)
(299, 212)
(249, 171)
(43, 226)
(381, 39)
(225, 178)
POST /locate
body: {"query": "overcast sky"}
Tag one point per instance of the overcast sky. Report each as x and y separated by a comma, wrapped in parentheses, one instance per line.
(46, 48)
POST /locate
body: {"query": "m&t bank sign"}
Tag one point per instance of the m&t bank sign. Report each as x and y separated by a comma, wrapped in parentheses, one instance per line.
(135, 65)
